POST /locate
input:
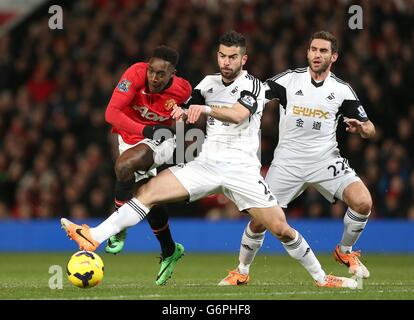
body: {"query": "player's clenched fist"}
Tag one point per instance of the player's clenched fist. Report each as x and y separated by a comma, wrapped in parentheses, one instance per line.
(195, 110)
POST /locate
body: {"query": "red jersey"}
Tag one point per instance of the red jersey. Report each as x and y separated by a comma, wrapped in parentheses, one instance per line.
(132, 107)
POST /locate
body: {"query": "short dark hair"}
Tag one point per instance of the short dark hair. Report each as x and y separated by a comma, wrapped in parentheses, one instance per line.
(166, 53)
(326, 35)
(233, 38)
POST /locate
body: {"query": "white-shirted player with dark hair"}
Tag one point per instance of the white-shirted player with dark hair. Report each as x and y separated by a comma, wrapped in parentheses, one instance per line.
(310, 102)
(228, 164)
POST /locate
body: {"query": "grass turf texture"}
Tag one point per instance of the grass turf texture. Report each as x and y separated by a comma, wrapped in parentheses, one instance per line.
(132, 276)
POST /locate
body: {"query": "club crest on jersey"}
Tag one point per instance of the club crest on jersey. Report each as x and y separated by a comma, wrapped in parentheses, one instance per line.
(330, 97)
(169, 104)
(234, 91)
(124, 85)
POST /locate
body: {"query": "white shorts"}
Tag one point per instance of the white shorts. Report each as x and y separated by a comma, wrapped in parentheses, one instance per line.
(242, 184)
(163, 151)
(329, 177)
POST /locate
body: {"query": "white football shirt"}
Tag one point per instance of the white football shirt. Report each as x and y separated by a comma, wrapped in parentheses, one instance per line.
(309, 113)
(230, 142)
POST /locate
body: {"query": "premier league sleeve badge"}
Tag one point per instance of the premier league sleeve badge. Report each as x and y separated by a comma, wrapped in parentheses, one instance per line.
(124, 85)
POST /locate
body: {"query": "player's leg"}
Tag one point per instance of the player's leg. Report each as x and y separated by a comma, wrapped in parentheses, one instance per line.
(131, 159)
(136, 158)
(274, 220)
(358, 199)
(261, 204)
(285, 185)
(139, 162)
(198, 182)
(163, 188)
(171, 251)
(251, 242)
(158, 221)
(335, 179)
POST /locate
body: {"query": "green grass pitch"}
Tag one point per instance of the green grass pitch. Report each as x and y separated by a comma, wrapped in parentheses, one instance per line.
(132, 276)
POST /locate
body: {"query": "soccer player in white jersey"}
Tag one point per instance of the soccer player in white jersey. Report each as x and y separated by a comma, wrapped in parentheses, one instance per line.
(228, 164)
(310, 102)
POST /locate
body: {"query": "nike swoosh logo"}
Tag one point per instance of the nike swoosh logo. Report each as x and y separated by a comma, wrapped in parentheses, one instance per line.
(240, 282)
(345, 263)
(78, 231)
(163, 270)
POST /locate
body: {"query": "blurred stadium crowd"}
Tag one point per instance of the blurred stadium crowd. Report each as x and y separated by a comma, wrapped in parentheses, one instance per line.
(56, 152)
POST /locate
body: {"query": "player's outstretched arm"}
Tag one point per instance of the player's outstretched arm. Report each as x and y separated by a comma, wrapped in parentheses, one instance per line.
(236, 114)
(365, 129)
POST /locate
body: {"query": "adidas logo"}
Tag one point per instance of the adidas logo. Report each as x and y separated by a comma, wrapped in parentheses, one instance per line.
(299, 93)
(331, 96)
(210, 90)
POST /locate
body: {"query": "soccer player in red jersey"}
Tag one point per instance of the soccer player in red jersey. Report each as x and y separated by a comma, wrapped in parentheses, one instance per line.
(140, 105)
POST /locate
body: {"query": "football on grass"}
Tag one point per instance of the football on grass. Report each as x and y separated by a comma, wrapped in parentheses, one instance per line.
(85, 269)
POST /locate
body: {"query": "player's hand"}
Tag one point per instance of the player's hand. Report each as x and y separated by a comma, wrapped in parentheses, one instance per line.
(355, 126)
(195, 111)
(178, 113)
(151, 131)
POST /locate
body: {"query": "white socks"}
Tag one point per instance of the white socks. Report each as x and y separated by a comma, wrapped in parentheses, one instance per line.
(131, 213)
(354, 223)
(299, 249)
(250, 244)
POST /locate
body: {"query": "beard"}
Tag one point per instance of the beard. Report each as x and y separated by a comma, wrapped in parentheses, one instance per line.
(230, 74)
(323, 66)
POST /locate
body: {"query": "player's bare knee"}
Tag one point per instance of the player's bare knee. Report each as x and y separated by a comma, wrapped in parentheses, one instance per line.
(256, 226)
(282, 231)
(362, 204)
(288, 234)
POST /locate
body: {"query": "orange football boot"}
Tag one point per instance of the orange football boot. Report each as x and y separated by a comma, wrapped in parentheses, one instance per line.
(337, 282)
(234, 278)
(351, 260)
(80, 234)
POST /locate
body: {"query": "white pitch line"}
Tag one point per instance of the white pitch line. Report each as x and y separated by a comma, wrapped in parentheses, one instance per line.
(232, 294)
(284, 293)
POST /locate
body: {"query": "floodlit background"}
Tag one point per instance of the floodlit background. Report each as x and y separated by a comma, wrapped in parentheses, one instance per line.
(57, 154)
